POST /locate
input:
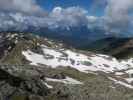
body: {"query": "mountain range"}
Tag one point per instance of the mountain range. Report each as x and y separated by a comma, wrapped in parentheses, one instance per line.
(76, 36)
(38, 68)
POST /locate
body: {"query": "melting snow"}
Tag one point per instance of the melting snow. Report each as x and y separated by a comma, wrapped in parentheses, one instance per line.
(53, 52)
(119, 73)
(121, 83)
(68, 80)
(125, 84)
(129, 80)
(49, 86)
(46, 84)
(130, 71)
(34, 57)
(73, 59)
(82, 63)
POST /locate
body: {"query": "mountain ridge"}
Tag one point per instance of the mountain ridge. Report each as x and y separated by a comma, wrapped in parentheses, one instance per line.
(46, 69)
(117, 47)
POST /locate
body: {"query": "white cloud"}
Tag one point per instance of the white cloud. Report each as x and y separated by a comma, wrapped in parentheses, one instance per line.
(71, 16)
(25, 6)
(117, 17)
(21, 14)
(57, 18)
(118, 14)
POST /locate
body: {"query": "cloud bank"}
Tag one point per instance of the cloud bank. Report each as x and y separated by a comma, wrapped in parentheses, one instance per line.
(23, 14)
(57, 18)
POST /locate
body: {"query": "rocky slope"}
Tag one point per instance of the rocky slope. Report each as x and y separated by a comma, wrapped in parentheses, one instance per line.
(37, 68)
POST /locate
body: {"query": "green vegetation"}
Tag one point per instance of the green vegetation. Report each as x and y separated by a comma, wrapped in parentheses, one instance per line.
(19, 97)
(67, 71)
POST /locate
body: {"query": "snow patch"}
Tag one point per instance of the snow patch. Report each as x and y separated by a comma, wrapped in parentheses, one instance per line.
(46, 84)
(119, 73)
(121, 83)
(129, 71)
(129, 80)
(125, 84)
(67, 80)
(49, 86)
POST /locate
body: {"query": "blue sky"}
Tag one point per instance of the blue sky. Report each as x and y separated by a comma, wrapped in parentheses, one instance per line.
(50, 4)
(93, 7)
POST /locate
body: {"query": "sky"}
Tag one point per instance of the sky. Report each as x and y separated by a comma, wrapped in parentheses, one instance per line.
(113, 16)
(98, 8)
(50, 4)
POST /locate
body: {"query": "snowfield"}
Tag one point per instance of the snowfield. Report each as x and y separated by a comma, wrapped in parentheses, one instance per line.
(82, 62)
